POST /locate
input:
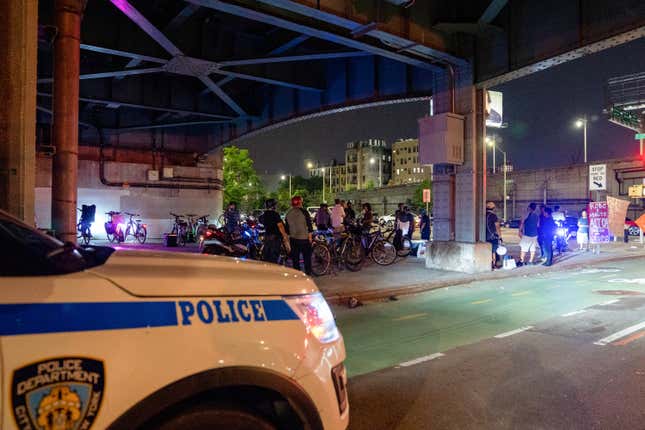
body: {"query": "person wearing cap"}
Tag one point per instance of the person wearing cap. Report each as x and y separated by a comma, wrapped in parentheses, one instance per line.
(300, 229)
(275, 232)
(493, 232)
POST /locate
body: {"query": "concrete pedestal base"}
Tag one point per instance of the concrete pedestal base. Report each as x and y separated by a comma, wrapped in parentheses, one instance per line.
(459, 256)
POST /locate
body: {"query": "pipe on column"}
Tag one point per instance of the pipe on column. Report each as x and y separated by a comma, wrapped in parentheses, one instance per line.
(65, 117)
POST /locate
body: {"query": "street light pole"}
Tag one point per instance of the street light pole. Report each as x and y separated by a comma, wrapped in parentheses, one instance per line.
(584, 132)
(582, 122)
(505, 167)
(323, 178)
(380, 173)
(494, 162)
(284, 178)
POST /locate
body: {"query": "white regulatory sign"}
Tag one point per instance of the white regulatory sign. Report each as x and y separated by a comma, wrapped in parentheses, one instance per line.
(597, 177)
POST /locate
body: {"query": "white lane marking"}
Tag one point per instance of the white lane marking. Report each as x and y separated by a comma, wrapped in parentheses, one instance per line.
(628, 281)
(592, 271)
(512, 332)
(610, 302)
(570, 314)
(421, 359)
(620, 334)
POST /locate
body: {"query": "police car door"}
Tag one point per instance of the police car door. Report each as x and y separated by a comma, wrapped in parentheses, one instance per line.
(49, 371)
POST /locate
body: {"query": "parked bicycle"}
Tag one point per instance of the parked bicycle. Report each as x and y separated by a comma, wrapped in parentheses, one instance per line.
(402, 243)
(114, 226)
(180, 228)
(373, 245)
(336, 250)
(136, 228)
(84, 225)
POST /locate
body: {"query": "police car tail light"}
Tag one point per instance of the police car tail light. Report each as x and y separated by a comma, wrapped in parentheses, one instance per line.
(314, 311)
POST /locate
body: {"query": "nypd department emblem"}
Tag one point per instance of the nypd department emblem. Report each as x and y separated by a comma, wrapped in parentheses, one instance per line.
(58, 394)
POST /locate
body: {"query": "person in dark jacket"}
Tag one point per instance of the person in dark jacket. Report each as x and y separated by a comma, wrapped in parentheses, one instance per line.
(424, 225)
(540, 234)
(493, 232)
(548, 230)
(275, 233)
(367, 218)
(300, 229)
(232, 218)
(350, 214)
(323, 218)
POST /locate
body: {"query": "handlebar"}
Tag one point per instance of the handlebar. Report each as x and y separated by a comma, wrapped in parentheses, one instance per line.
(131, 214)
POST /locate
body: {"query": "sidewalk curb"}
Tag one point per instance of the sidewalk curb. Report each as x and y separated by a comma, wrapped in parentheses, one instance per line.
(404, 290)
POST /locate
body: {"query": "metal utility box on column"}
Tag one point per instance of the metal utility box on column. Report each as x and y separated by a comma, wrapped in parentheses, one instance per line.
(441, 144)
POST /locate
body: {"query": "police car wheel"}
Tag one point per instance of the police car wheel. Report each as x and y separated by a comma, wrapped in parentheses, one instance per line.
(217, 417)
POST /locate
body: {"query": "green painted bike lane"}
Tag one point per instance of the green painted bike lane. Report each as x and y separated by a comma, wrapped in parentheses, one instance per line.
(380, 335)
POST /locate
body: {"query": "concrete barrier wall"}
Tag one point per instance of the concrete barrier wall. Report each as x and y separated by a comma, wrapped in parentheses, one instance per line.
(153, 204)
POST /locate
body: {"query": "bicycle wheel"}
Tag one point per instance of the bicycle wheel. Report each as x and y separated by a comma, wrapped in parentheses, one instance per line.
(406, 248)
(111, 237)
(320, 259)
(353, 254)
(79, 230)
(87, 235)
(383, 253)
(142, 234)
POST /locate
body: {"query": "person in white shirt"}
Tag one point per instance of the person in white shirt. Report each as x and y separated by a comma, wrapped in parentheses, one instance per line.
(337, 216)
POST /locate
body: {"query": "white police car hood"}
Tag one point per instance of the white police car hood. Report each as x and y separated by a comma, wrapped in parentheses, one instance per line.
(165, 274)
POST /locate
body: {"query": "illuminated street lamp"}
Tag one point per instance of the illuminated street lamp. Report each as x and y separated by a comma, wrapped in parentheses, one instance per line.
(582, 123)
(310, 165)
(284, 178)
(490, 141)
(380, 175)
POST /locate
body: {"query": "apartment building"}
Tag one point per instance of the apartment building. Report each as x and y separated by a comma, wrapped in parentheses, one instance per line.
(368, 164)
(406, 168)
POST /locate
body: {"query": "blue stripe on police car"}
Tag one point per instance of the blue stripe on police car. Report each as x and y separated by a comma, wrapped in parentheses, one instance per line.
(37, 318)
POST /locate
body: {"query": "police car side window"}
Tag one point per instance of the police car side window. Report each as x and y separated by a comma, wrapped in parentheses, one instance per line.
(13, 259)
(22, 249)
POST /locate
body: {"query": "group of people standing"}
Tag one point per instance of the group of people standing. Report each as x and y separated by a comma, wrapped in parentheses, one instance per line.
(537, 229)
(295, 233)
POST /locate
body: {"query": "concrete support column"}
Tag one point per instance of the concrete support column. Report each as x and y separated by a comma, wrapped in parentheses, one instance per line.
(459, 191)
(65, 119)
(19, 42)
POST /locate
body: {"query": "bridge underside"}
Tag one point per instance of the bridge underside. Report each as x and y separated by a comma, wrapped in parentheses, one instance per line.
(228, 68)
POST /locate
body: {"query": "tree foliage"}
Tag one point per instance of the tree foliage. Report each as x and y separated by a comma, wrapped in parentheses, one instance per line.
(241, 181)
(417, 199)
(310, 189)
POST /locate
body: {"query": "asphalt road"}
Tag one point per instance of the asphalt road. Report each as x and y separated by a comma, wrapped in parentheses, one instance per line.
(563, 350)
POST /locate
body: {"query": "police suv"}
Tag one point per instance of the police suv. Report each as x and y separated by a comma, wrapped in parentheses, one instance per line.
(102, 339)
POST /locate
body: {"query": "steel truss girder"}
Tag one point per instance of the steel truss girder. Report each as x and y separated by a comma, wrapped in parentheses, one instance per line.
(313, 32)
(120, 53)
(367, 30)
(101, 75)
(166, 125)
(118, 103)
(152, 31)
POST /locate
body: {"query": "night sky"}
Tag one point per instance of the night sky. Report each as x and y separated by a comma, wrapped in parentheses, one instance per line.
(540, 110)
